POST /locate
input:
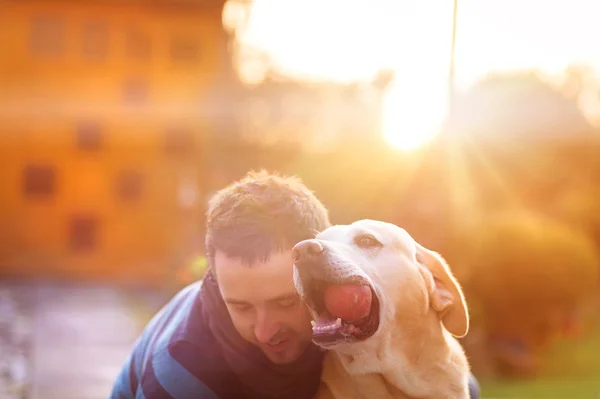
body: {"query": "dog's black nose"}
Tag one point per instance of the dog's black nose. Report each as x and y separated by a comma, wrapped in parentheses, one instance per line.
(307, 251)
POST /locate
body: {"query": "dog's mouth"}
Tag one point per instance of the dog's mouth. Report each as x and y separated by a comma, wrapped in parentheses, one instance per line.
(346, 312)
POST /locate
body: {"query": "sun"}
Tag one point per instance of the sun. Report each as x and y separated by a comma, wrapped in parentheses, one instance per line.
(413, 105)
(412, 118)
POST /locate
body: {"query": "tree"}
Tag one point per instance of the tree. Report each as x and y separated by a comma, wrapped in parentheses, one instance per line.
(517, 106)
(529, 272)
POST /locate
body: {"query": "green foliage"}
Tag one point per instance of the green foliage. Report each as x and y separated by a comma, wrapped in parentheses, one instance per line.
(198, 266)
(519, 258)
(570, 369)
(580, 207)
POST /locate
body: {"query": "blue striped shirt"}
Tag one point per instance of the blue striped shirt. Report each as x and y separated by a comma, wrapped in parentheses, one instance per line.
(176, 357)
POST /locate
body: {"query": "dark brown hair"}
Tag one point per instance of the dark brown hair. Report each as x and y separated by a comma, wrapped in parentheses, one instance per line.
(260, 214)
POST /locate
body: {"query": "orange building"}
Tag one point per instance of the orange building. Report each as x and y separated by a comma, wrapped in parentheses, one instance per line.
(103, 109)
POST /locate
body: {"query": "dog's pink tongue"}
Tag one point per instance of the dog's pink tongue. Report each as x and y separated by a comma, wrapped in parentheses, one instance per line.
(350, 302)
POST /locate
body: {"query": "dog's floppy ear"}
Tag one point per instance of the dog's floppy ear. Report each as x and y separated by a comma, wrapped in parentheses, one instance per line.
(446, 296)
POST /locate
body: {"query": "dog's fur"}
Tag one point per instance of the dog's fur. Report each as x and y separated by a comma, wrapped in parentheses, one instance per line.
(413, 353)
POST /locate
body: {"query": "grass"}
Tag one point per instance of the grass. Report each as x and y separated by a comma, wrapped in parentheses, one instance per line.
(571, 371)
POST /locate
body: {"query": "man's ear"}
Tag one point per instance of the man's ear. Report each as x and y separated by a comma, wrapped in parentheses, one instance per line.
(445, 294)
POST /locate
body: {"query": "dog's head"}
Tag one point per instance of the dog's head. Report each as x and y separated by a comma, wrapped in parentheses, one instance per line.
(407, 282)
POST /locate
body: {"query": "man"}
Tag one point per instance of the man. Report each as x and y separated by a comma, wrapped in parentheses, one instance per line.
(242, 332)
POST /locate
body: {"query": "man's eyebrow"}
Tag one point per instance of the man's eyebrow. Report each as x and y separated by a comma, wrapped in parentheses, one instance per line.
(234, 301)
(284, 297)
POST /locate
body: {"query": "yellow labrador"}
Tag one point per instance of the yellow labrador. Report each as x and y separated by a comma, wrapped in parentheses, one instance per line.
(405, 346)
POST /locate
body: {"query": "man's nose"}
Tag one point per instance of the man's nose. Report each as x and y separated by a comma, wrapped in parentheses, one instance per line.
(265, 328)
(307, 251)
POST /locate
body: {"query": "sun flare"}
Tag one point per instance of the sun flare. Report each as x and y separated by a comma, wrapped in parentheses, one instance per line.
(341, 41)
(409, 121)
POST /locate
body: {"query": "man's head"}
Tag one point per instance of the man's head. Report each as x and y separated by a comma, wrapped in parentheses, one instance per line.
(251, 228)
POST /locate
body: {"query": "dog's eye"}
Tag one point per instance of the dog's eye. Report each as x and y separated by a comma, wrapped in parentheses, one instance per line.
(367, 241)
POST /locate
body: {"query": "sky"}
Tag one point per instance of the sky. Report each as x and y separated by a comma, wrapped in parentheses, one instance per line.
(349, 40)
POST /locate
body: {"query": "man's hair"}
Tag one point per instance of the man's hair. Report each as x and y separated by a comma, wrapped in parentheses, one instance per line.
(260, 214)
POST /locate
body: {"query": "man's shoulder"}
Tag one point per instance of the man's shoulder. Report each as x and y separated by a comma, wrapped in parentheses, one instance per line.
(178, 370)
(189, 292)
(180, 320)
(180, 355)
(182, 331)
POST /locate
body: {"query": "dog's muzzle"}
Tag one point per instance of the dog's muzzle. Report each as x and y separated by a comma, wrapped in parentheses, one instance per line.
(319, 275)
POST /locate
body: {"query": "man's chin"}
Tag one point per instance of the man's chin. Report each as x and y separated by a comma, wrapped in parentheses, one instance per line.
(284, 353)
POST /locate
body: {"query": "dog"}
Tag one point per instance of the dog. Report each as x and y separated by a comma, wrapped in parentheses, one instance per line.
(405, 346)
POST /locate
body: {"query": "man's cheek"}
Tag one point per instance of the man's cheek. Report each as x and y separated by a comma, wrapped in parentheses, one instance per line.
(300, 317)
(243, 327)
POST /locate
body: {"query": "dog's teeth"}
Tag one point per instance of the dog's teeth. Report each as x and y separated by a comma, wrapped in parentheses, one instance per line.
(334, 325)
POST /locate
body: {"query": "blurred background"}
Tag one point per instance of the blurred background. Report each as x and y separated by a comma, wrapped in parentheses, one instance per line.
(474, 124)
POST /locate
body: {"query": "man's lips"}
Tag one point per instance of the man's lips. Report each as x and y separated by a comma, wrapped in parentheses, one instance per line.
(278, 344)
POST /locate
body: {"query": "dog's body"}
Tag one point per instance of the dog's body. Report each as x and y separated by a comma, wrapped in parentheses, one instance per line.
(405, 348)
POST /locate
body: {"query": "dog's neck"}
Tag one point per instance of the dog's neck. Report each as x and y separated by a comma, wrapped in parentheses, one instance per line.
(408, 360)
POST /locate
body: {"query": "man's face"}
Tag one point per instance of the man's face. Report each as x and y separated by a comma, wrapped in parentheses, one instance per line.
(264, 305)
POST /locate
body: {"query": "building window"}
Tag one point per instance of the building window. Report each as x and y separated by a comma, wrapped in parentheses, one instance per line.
(184, 49)
(89, 136)
(129, 185)
(95, 40)
(83, 233)
(137, 45)
(178, 142)
(135, 91)
(39, 180)
(47, 36)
